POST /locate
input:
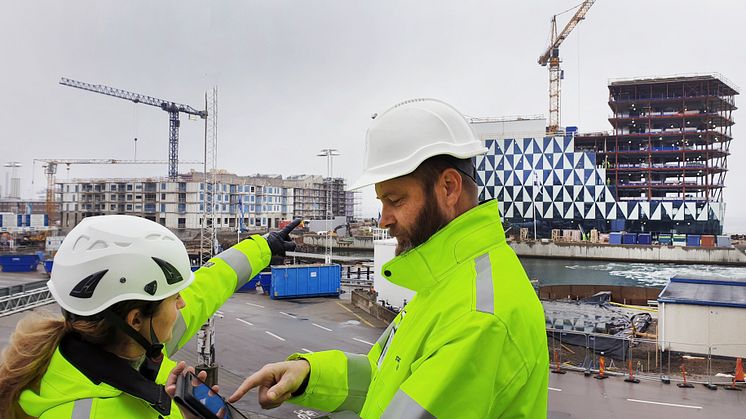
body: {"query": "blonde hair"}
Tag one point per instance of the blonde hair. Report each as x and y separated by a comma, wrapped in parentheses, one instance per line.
(26, 358)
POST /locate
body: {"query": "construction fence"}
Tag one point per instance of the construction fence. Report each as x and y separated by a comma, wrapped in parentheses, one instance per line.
(646, 359)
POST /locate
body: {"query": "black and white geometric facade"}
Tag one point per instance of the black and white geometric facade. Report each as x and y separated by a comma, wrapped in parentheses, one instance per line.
(565, 184)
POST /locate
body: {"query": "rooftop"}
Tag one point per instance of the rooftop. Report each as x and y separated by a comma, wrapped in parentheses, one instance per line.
(722, 292)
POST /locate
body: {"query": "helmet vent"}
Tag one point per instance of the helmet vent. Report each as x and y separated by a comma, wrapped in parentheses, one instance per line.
(85, 288)
(151, 287)
(98, 244)
(169, 271)
(122, 244)
(153, 236)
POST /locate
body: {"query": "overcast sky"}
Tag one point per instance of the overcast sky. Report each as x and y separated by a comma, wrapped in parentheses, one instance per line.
(298, 76)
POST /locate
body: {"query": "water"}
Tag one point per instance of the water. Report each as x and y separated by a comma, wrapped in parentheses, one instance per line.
(585, 272)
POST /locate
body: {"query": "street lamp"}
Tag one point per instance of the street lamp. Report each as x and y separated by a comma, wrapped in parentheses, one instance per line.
(329, 153)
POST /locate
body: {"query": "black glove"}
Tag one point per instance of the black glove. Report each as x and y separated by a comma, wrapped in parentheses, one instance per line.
(279, 241)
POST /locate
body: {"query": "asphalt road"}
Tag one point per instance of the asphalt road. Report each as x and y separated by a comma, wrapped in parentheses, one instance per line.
(573, 395)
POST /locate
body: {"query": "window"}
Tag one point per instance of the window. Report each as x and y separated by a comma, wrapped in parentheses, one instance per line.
(163, 196)
(138, 186)
(182, 207)
(129, 197)
(163, 186)
(138, 207)
(251, 190)
(129, 207)
(137, 197)
(163, 207)
(129, 186)
(76, 188)
(113, 197)
(113, 187)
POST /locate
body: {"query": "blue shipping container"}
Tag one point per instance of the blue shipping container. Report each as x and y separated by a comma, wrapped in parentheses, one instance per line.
(692, 240)
(265, 280)
(19, 263)
(48, 265)
(665, 239)
(305, 281)
(629, 238)
(723, 241)
(615, 238)
(644, 238)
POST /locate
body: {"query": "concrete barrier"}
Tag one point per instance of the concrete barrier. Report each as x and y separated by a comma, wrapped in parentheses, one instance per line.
(631, 253)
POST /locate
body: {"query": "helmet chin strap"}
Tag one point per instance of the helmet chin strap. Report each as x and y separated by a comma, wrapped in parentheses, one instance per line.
(153, 349)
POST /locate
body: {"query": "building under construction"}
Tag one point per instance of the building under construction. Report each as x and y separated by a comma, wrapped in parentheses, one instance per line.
(668, 148)
(660, 169)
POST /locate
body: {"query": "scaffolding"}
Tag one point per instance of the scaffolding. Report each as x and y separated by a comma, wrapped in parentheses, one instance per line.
(670, 138)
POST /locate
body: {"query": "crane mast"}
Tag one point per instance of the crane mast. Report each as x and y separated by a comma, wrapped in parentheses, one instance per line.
(174, 110)
(552, 58)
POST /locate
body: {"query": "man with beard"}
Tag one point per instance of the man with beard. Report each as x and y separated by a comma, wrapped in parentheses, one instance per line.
(472, 342)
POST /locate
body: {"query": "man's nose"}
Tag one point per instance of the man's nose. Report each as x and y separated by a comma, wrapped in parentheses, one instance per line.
(386, 219)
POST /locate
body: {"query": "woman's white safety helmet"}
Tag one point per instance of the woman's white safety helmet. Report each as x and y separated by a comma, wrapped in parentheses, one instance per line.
(112, 258)
(404, 136)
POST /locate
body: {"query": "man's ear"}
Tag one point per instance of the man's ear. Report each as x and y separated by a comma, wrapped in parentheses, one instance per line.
(135, 319)
(450, 180)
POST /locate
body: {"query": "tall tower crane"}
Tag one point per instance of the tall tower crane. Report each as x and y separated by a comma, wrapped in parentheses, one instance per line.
(173, 109)
(50, 169)
(551, 57)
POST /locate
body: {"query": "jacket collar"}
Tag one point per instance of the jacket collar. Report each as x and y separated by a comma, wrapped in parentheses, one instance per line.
(468, 235)
(102, 366)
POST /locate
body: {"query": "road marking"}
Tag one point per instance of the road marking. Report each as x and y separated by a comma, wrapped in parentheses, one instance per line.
(219, 312)
(363, 341)
(255, 305)
(304, 349)
(288, 314)
(244, 321)
(274, 335)
(322, 327)
(665, 404)
(355, 314)
(555, 389)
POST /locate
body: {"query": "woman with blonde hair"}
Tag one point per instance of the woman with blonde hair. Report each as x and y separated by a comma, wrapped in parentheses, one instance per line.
(129, 301)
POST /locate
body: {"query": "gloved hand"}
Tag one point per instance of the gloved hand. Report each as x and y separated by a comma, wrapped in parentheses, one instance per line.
(279, 241)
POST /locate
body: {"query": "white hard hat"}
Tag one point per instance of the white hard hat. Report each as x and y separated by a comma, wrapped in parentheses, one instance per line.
(112, 258)
(404, 136)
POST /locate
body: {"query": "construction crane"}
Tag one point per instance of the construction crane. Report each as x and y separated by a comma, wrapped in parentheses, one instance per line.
(50, 169)
(551, 57)
(173, 109)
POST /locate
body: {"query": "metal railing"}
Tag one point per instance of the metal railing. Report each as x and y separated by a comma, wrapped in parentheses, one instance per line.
(645, 359)
(19, 298)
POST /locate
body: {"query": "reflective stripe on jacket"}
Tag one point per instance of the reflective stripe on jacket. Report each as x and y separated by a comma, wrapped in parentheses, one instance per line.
(64, 392)
(470, 344)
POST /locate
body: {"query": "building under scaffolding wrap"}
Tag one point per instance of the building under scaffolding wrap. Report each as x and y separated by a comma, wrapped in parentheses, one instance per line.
(661, 168)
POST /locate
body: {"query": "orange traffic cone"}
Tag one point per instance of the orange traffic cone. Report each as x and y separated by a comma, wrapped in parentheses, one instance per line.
(739, 370)
(631, 378)
(684, 384)
(601, 368)
(557, 368)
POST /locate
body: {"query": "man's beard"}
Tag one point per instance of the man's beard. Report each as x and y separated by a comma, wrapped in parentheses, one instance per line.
(429, 221)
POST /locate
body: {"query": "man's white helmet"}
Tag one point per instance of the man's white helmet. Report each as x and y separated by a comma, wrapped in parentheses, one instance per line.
(404, 136)
(113, 258)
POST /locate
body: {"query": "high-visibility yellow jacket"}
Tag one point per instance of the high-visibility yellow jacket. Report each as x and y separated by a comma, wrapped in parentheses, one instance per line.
(470, 344)
(65, 392)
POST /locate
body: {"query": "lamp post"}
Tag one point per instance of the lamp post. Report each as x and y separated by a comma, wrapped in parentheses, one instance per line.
(329, 153)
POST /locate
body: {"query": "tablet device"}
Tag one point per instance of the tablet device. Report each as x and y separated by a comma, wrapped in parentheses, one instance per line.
(200, 400)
